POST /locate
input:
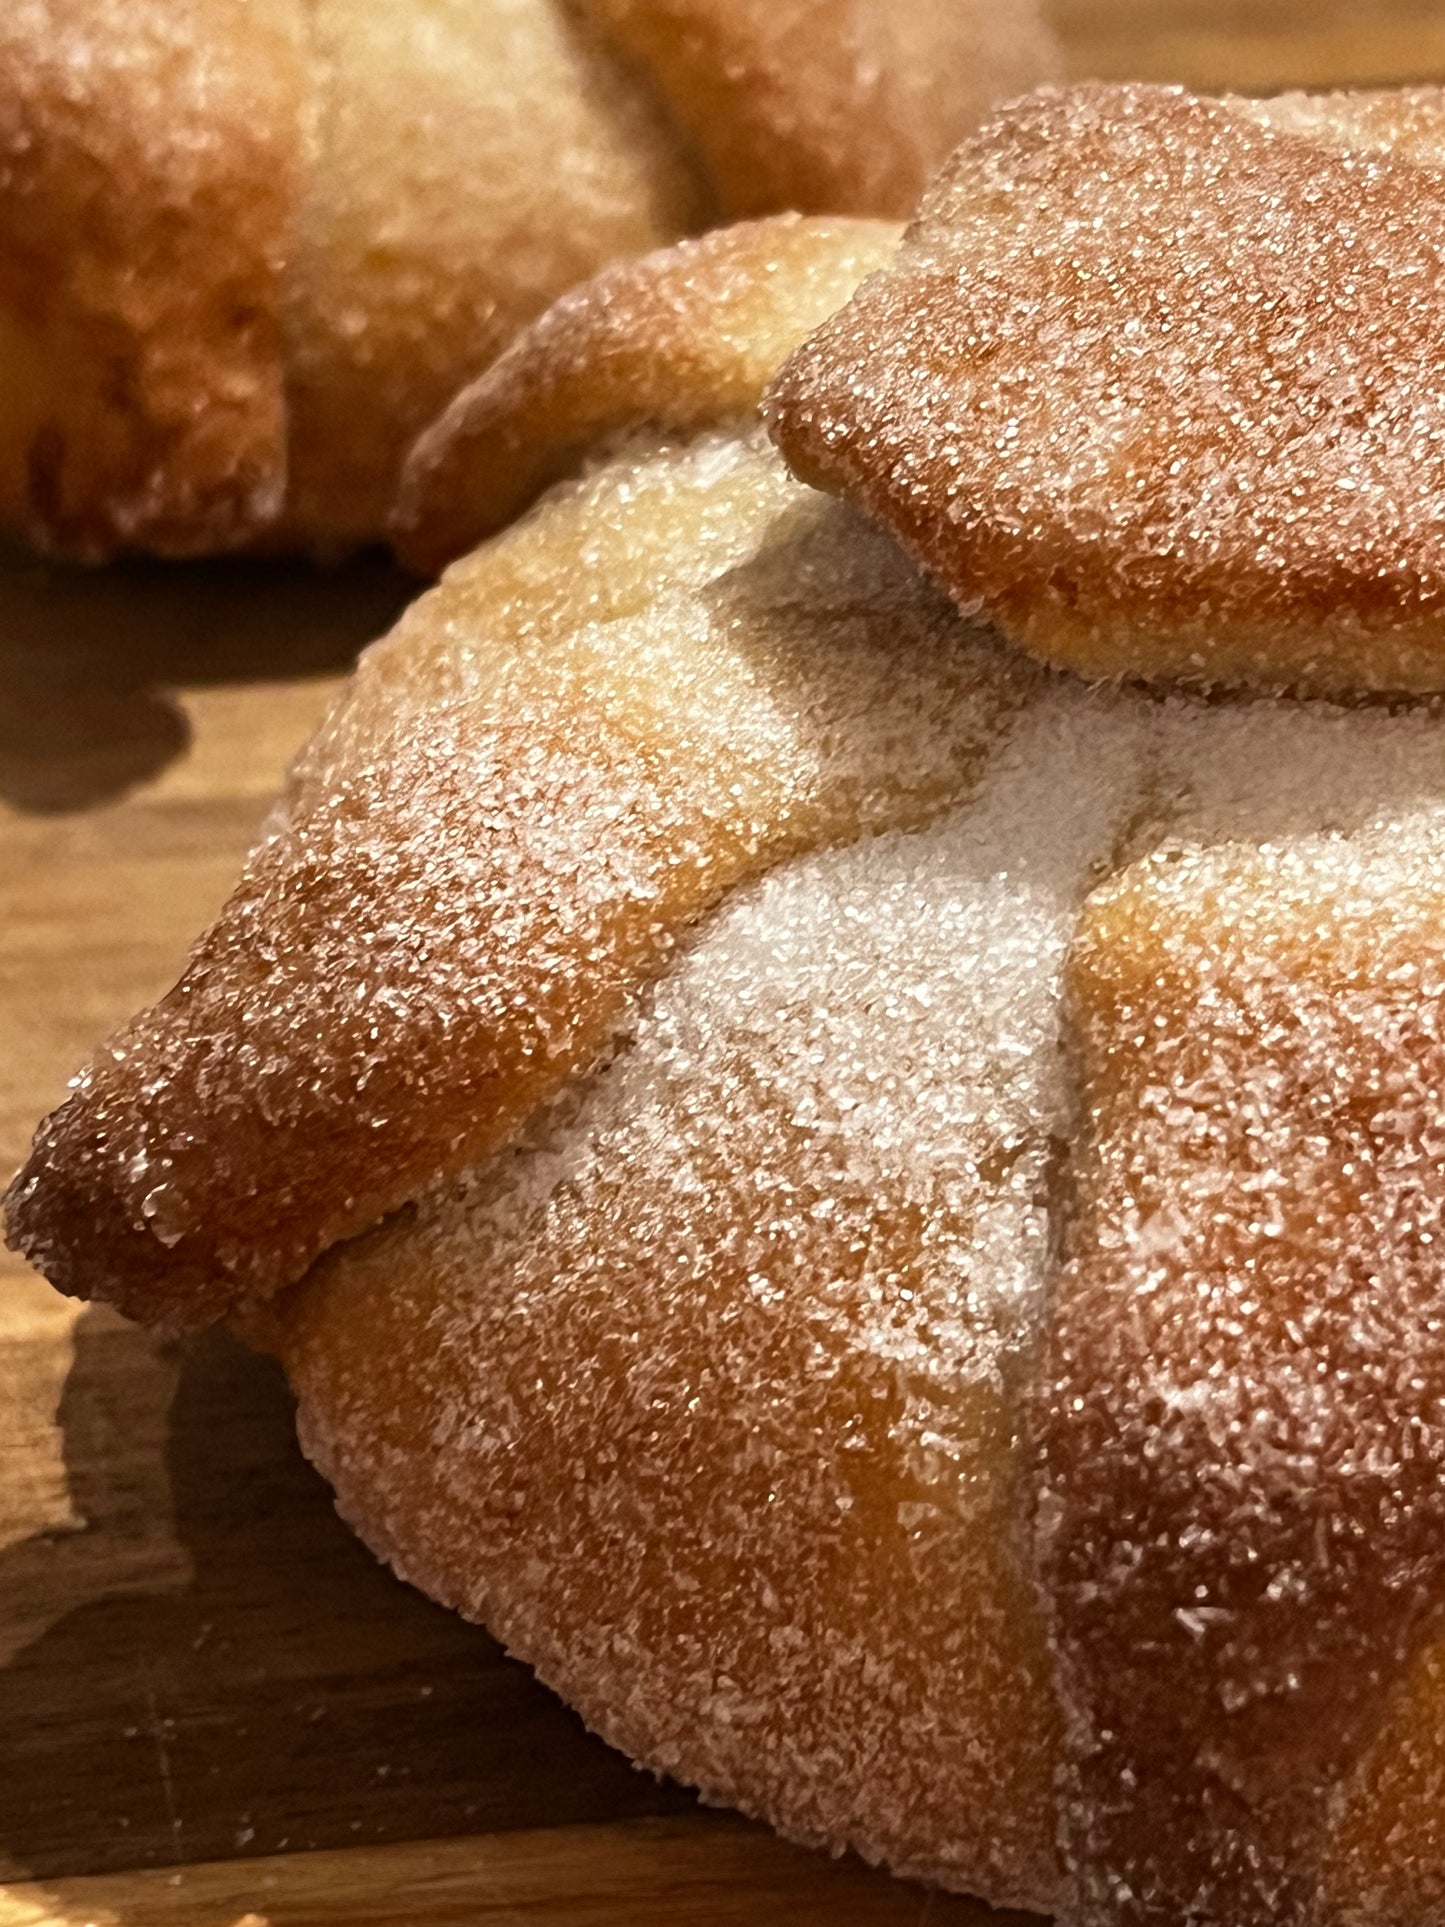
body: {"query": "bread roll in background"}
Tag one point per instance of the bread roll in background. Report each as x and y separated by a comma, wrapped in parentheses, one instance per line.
(248, 251)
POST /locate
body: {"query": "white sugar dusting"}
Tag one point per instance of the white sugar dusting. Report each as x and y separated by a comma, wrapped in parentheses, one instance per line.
(727, 1355)
(823, 1165)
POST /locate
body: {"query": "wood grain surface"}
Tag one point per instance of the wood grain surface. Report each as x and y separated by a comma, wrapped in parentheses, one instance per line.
(214, 1707)
(1256, 46)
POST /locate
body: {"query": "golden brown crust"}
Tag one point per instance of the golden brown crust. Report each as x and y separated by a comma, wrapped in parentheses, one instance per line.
(322, 995)
(826, 106)
(682, 339)
(1156, 386)
(724, 1237)
(777, 1276)
(774, 1278)
(758, 1516)
(1239, 1408)
(150, 166)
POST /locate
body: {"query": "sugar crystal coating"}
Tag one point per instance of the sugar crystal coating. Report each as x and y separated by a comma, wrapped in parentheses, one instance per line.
(755, 1309)
(757, 1526)
(1155, 386)
(141, 393)
(447, 920)
(1244, 1534)
(791, 1257)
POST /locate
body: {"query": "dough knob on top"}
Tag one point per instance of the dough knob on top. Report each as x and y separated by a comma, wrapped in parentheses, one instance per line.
(1155, 387)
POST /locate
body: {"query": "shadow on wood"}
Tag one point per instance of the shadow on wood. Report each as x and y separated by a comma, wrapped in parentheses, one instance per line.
(255, 1683)
(88, 657)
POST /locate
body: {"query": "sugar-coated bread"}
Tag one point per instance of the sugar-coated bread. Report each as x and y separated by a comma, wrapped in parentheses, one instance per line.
(1155, 386)
(248, 251)
(871, 1206)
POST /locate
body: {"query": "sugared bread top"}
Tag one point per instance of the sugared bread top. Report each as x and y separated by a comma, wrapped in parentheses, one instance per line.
(1155, 386)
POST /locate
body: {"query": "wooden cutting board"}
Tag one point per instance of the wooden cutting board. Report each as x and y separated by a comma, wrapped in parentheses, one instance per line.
(214, 1707)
